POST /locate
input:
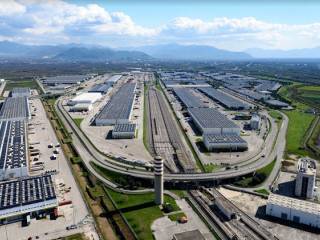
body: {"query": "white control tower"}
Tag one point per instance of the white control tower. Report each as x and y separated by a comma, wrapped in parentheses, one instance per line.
(158, 180)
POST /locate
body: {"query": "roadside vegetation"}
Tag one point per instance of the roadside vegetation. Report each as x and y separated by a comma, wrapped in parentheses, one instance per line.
(78, 121)
(257, 178)
(209, 168)
(77, 236)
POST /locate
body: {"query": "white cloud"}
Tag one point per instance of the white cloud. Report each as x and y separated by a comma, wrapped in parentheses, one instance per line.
(10, 7)
(57, 21)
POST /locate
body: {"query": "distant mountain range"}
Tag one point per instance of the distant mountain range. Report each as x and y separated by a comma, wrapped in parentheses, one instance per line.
(69, 52)
(191, 52)
(94, 53)
(283, 54)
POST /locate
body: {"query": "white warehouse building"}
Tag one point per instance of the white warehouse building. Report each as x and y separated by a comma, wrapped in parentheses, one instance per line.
(83, 101)
(295, 210)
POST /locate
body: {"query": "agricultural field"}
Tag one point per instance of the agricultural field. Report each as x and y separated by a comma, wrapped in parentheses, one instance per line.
(22, 83)
(305, 99)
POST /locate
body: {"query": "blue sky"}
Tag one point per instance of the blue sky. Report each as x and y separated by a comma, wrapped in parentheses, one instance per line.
(124, 23)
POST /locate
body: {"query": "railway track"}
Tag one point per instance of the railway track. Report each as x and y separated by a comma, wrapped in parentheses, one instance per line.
(165, 136)
(246, 226)
(159, 133)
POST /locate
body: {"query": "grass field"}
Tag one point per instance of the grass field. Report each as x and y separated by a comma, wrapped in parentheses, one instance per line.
(299, 123)
(303, 98)
(23, 83)
(140, 211)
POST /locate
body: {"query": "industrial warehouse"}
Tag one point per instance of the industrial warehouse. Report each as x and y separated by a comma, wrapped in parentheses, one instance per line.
(211, 121)
(15, 108)
(216, 143)
(188, 99)
(21, 195)
(126, 131)
(20, 92)
(13, 158)
(118, 108)
(225, 99)
(26, 195)
(295, 210)
(66, 79)
(83, 101)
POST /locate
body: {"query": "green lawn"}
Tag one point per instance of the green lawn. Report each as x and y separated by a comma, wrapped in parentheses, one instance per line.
(78, 121)
(140, 211)
(299, 123)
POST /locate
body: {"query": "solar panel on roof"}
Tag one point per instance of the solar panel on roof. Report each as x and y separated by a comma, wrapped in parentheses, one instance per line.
(211, 118)
(26, 191)
(119, 106)
(224, 99)
(187, 98)
(15, 108)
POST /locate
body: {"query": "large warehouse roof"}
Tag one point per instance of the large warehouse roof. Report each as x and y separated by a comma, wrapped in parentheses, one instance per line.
(114, 78)
(16, 92)
(87, 97)
(124, 128)
(26, 195)
(65, 79)
(223, 98)
(101, 88)
(15, 108)
(120, 104)
(213, 138)
(211, 118)
(13, 144)
(188, 98)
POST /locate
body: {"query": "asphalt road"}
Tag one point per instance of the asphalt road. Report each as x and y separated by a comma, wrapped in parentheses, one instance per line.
(89, 153)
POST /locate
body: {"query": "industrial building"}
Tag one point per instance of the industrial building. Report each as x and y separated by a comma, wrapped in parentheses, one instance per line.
(15, 108)
(124, 131)
(118, 108)
(276, 103)
(255, 122)
(65, 79)
(100, 88)
(114, 79)
(295, 210)
(20, 92)
(85, 98)
(211, 121)
(305, 186)
(26, 196)
(217, 143)
(13, 149)
(224, 99)
(187, 98)
(83, 101)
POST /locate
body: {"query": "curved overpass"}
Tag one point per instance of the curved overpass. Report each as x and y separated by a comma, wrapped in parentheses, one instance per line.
(89, 153)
